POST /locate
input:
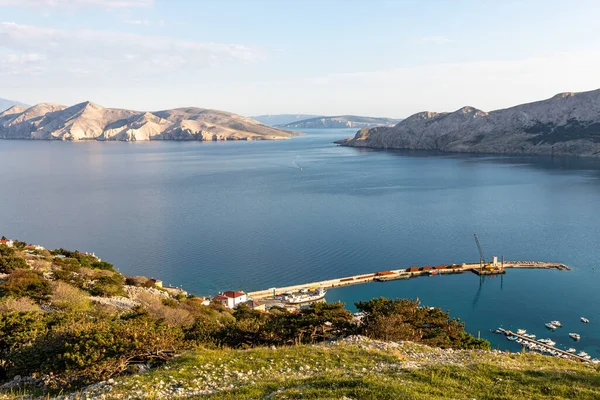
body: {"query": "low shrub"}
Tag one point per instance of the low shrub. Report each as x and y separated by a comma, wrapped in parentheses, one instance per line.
(21, 283)
(69, 298)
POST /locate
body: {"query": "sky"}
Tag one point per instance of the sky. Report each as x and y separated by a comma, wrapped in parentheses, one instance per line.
(330, 57)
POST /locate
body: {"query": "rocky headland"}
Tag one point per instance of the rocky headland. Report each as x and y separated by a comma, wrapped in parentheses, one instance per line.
(567, 124)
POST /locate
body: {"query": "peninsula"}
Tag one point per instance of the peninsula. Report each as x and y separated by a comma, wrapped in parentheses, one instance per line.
(89, 121)
(567, 124)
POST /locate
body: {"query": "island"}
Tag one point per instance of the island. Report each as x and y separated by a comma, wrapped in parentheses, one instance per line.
(90, 121)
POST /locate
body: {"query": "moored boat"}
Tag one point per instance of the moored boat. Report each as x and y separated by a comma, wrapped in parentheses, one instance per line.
(551, 326)
(585, 320)
(512, 338)
(392, 277)
(521, 331)
(556, 323)
(571, 350)
(575, 336)
(305, 297)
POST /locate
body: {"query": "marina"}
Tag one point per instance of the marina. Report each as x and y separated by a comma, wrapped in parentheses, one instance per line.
(546, 345)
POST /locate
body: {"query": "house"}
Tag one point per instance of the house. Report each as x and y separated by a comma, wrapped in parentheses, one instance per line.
(202, 300)
(34, 247)
(231, 299)
(256, 305)
(157, 282)
(7, 242)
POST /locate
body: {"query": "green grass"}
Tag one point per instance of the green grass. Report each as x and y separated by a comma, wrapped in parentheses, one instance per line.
(355, 371)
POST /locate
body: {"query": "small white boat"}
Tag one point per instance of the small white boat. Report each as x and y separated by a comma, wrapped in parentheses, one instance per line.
(529, 335)
(585, 320)
(556, 323)
(575, 336)
(551, 326)
(572, 350)
(582, 354)
(521, 331)
(547, 342)
(512, 338)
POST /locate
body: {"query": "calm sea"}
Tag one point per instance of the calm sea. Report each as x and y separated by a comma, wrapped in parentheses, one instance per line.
(252, 215)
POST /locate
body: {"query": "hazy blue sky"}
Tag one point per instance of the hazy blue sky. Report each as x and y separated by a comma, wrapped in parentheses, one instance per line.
(381, 58)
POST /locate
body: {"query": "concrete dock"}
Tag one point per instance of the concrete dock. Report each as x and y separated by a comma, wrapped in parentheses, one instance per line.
(414, 272)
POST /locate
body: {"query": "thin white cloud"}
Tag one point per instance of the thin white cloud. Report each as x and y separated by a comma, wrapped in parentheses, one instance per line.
(108, 4)
(433, 40)
(138, 22)
(111, 55)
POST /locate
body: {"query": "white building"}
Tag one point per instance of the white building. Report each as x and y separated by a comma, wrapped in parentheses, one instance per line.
(7, 242)
(231, 299)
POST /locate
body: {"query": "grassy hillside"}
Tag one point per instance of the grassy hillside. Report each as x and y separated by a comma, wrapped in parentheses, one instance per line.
(359, 368)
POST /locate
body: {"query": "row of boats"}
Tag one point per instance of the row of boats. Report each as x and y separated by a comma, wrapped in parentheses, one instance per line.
(529, 341)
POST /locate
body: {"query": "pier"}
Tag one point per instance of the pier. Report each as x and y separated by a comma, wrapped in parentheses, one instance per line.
(544, 345)
(495, 269)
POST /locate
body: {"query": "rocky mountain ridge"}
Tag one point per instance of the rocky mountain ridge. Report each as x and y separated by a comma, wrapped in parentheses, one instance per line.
(340, 121)
(6, 104)
(282, 119)
(90, 121)
(566, 124)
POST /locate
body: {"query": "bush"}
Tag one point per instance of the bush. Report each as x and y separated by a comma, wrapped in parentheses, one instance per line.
(9, 261)
(69, 298)
(26, 283)
(85, 351)
(21, 304)
(108, 286)
(138, 281)
(103, 265)
(404, 319)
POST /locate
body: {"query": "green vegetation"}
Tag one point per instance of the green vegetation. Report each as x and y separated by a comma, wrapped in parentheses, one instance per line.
(69, 319)
(362, 370)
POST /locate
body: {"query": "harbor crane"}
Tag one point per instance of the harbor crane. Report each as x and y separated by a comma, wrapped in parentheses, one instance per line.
(481, 258)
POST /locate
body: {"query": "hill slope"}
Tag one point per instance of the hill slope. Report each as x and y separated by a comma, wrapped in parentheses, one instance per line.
(358, 368)
(341, 121)
(566, 124)
(89, 121)
(282, 119)
(6, 104)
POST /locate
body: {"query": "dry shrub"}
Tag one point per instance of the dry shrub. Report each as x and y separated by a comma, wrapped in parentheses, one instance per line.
(171, 315)
(22, 304)
(69, 298)
(139, 281)
(40, 264)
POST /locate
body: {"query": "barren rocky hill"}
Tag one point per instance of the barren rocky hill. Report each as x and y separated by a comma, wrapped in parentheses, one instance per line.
(340, 121)
(566, 124)
(89, 121)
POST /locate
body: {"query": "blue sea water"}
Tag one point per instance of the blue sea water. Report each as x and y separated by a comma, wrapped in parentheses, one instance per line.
(252, 215)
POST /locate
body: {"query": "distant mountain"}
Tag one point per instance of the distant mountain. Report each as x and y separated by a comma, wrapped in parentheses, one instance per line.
(341, 121)
(566, 124)
(89, 121)
(6, 104)
(282, 119)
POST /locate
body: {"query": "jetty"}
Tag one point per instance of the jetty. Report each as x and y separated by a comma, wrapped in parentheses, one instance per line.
(563, 353)
(493, 268)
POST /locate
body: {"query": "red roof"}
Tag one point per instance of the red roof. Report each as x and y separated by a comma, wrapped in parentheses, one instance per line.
(4, 241)
(219, 297)
(232, 294)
